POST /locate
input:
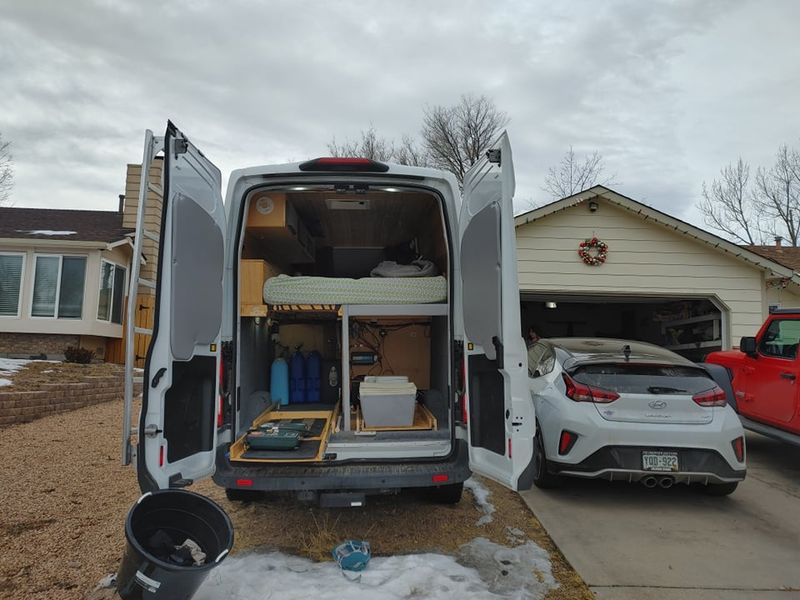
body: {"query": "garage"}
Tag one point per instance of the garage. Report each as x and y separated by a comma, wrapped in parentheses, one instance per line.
(600, 264)
(689, 326)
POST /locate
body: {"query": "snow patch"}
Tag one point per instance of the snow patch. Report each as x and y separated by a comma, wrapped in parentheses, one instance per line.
(481, 571)
(9, 366)
(481, 494)
(46, 232)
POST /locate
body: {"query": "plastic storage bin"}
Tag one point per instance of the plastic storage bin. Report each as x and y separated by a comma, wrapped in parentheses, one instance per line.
(388, 402)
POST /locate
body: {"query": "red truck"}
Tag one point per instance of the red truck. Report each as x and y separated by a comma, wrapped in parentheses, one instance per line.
(765, 374)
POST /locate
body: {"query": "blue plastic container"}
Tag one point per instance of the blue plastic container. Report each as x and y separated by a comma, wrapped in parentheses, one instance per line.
(313, 376)
(297, 378)
(279, 381)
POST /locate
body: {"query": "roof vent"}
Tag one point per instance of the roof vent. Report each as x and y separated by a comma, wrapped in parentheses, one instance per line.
(347, 203)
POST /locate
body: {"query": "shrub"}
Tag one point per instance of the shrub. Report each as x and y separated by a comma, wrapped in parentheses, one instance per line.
(73, 354)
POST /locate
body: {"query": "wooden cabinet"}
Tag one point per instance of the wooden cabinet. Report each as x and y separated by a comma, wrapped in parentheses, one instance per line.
(252, 275)
(273, 221)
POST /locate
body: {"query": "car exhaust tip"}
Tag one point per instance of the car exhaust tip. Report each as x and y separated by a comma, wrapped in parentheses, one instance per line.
(666, 482)
(650, 482)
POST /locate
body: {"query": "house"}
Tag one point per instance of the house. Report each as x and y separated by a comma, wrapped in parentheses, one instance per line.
(63, 280)
(662, 280)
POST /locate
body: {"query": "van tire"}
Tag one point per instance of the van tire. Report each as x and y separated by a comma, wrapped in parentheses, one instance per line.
(542, 477)
(720, 489)
(235, 495)
(447, 494)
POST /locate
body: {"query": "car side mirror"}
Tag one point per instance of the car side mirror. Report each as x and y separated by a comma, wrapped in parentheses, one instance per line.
(748, 345)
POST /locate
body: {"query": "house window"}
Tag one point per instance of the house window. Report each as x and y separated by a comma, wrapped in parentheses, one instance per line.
(58, 287)
(112, 291)
(10, 283)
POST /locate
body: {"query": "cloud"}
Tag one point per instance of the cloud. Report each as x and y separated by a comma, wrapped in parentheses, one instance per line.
(650, 85)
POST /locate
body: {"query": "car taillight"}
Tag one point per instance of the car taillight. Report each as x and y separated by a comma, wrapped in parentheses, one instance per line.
(738, 448)
(713, 397)
(580, 392)
(566, 441)
(337, 163)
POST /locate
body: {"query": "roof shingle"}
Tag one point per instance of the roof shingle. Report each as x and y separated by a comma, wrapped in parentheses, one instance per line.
(60, 224)
(788, 256)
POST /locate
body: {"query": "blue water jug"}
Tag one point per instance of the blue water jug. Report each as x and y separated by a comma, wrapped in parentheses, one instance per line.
(297, 378)
(279, 381)
(313, 376)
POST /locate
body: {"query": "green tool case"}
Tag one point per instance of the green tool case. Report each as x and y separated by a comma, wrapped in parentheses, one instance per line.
(274, 436)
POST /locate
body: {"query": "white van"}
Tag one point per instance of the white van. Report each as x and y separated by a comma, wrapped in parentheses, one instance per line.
(313, 232)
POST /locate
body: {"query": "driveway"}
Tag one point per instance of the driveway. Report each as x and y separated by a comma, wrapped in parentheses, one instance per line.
(628, 542)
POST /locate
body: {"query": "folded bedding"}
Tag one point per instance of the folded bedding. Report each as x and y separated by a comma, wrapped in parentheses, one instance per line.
(285, 289)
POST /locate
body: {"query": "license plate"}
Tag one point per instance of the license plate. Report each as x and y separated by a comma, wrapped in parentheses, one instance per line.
(660, 461)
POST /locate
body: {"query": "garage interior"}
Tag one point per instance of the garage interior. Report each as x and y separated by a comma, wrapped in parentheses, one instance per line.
(691, 327)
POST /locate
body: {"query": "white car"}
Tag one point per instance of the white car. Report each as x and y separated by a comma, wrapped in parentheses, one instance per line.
(624, 410)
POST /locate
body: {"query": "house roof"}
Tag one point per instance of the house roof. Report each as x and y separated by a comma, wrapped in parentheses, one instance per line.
(60, 224)
(788, 256)
(746, 253)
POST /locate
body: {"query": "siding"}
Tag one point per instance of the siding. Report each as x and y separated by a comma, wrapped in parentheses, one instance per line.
(644, 258)
(152, 217)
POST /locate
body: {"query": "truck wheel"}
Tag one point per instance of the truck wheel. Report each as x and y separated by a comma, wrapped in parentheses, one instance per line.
(721, 489)
(447, 494)
(542, 477)
(235, 495)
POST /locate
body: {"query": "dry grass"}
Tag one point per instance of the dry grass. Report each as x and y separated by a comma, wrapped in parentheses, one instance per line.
(65, 496)
(39, 375)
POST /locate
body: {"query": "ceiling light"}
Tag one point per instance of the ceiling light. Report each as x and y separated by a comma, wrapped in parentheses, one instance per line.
(391, 189)
(299, 188)
(551, 304)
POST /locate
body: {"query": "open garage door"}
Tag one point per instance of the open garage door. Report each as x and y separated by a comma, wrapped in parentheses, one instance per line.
(690, 326)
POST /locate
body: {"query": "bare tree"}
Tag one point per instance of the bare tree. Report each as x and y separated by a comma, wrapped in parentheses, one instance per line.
(778, 194)
(6, 170)
(457, 136)
(374, 147)
(729, 206)
(573, 175)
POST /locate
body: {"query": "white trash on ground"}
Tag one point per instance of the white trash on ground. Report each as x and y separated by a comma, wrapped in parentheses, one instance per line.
(481, 494)
(482, 570)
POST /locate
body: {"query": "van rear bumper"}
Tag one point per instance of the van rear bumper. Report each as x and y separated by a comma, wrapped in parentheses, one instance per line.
(350, 476)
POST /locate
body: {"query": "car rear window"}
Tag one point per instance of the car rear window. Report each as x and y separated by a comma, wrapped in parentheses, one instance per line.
(644, 379)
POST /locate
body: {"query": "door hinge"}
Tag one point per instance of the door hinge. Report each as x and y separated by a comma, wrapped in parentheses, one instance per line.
(493, 155)
(181, 145)
(151, 430)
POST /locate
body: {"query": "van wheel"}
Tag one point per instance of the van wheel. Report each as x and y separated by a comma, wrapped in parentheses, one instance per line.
(721, 489)
(235, 495)
(447, 494)
(542, 477)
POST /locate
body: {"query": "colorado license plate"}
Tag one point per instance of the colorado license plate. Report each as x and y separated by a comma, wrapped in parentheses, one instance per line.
(660, 461)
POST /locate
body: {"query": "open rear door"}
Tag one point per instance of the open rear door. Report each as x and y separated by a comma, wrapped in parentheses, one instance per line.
(177, 432)
(501, 414)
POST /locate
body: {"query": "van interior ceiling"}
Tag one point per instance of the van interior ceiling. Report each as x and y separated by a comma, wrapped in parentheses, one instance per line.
(345, 352)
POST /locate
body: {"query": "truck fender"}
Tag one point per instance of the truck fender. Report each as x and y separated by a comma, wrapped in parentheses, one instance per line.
(722, 377)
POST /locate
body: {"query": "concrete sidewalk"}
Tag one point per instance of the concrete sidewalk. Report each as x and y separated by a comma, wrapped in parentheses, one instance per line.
(631, 543)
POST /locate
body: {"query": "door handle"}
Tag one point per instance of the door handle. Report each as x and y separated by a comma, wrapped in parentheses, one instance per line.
(790, 376)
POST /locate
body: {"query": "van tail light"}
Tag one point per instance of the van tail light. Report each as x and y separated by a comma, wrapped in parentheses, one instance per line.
(566, 441)
(244, 483)
(738, 448)
(339, 164)
(580, 392)
(713, 397)
(440, 478)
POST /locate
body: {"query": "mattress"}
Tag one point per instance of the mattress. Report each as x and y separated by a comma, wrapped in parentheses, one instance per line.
(285, 289)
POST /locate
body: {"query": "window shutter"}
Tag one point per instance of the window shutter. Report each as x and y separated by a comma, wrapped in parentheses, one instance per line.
(10, 282)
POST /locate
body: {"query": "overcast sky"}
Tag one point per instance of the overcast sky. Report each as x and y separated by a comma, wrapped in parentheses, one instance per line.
(668, 92)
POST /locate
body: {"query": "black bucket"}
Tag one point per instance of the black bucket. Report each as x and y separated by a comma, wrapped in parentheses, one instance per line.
(180, 515)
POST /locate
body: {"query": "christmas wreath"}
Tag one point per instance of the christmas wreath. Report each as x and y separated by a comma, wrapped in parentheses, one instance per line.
(593, 252)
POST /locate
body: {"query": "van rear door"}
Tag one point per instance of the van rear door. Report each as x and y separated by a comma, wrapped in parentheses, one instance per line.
(177, 432)
(501, 416)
